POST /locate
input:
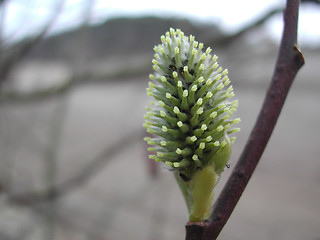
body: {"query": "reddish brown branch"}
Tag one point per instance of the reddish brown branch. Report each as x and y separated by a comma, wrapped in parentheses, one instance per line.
(194, 231)
(290, 60)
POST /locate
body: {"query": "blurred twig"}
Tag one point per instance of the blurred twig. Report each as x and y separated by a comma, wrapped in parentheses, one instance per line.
(59, 219)
(93, 230)
(8, 59)
(225, 40)
(94, 166)
(77, 79)
(50, 160)
(16, 97)
(289, 61)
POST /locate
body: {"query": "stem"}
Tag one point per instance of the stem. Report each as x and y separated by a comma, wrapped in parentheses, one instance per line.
(51, 164)
(289, 61)
(202, 185)
(194, 231)
(198, 193)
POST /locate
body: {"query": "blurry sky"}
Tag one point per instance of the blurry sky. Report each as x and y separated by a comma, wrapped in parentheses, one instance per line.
(21, 17)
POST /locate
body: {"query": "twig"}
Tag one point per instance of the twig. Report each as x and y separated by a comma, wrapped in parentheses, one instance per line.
(61, 220)
(70, 83)
(50, 160)
(225, 40)
(36, 95)
(95, 165)
(290, 60)
(9, 61)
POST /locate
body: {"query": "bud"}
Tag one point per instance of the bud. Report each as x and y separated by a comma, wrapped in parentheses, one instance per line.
(192, 112)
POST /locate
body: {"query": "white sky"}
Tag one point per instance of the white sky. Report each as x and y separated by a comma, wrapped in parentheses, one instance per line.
(23, 17)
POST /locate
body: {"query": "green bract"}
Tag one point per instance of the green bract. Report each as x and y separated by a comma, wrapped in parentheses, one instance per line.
(191, 115)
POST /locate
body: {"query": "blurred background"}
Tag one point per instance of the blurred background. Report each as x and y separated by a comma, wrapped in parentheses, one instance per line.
(73, 74)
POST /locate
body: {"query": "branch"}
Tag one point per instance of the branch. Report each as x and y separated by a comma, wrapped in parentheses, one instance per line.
(95, 165)
(225, 40)
(289, 61)
(264, 18)
(8, 62)
(37, 95)
(78, 78)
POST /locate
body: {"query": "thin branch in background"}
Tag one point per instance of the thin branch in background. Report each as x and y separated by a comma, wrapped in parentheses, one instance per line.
(97, 164)
(91, 77)
(36, 95)
(225, 40)
(40, 202)
(50, 160)
(44, 213)
(290, 60)
(93, 167)
(75, 80)
(11, 58)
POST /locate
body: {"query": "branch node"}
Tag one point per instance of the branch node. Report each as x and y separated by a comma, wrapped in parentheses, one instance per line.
(195, 230)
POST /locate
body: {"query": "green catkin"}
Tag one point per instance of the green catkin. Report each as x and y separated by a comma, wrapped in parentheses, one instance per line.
(191, 115)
